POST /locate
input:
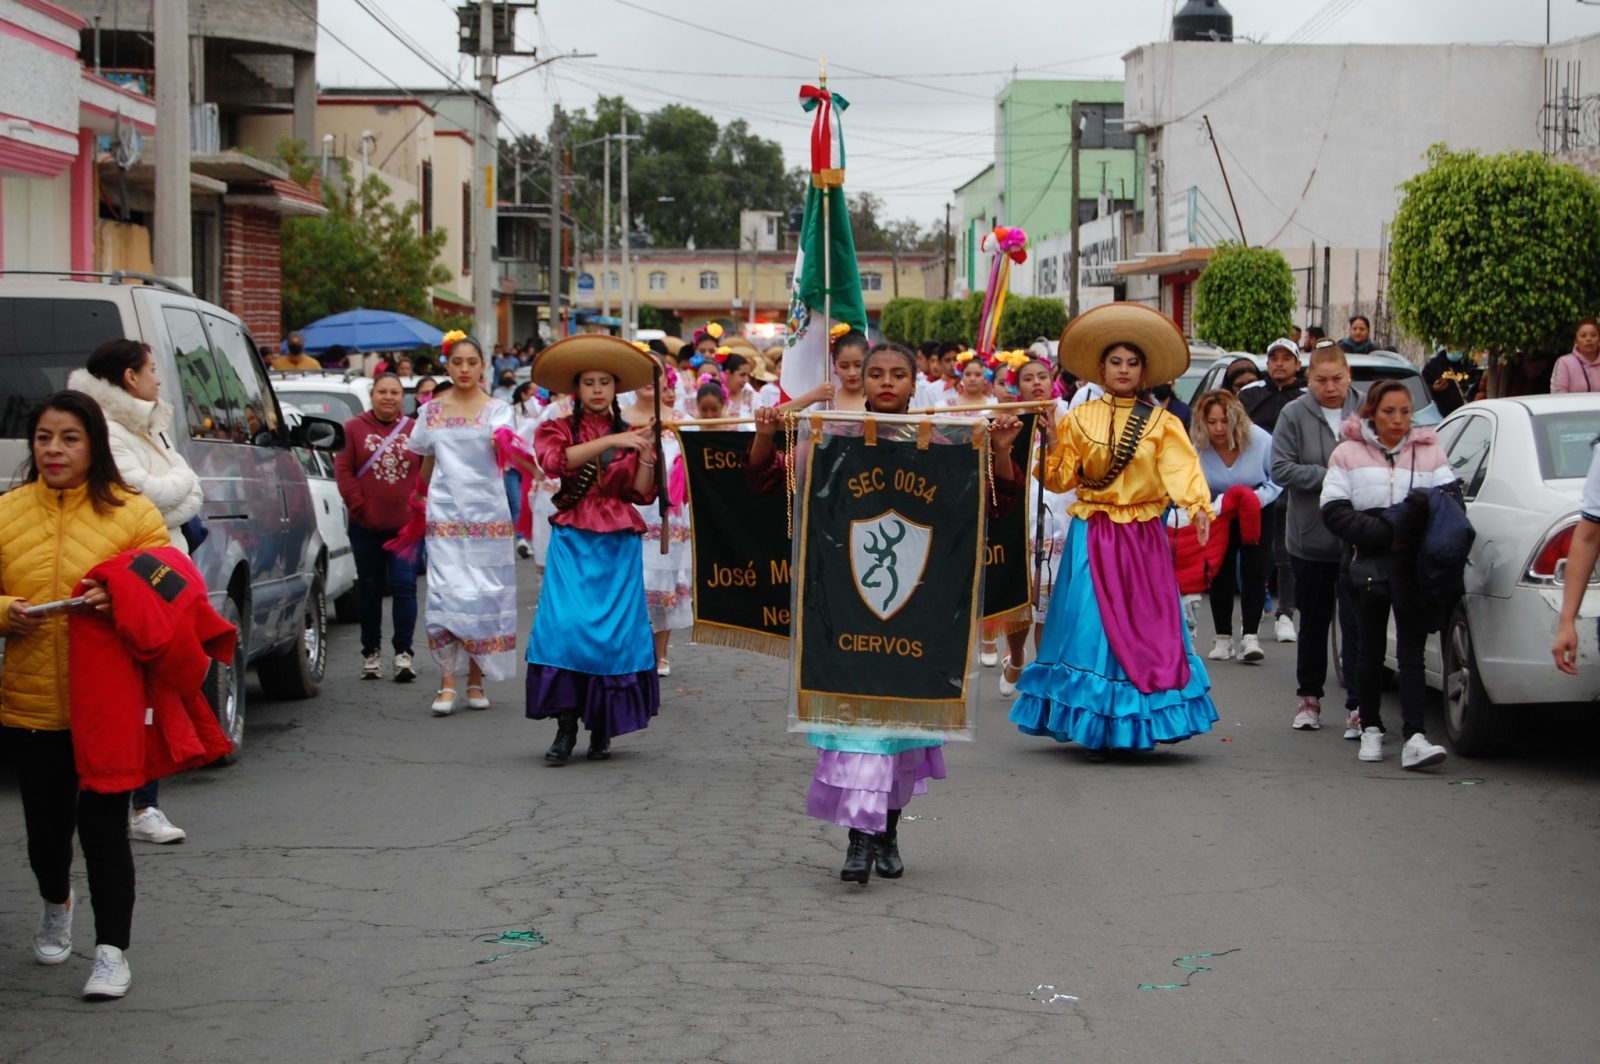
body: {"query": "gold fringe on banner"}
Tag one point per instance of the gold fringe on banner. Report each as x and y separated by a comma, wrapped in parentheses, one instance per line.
(1017, 620)
(725, 635)
(821, 707)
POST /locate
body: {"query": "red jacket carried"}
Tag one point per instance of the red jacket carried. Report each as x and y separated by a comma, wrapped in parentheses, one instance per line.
(1197, 566)
(137, 709)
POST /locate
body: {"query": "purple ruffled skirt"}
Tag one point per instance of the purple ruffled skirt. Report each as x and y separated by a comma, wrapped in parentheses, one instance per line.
(857, 790)
(611, 705)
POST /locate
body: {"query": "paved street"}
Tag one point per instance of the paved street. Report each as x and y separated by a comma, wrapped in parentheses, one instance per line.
(344, 885)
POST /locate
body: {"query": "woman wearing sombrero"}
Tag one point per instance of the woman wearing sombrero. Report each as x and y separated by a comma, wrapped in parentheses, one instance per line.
(590, 654)
(1115, 669)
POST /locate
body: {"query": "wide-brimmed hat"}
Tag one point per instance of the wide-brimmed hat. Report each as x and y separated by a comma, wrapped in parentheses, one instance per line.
(1087, 336)
(557, 367)
(674, 344)
(763, 371)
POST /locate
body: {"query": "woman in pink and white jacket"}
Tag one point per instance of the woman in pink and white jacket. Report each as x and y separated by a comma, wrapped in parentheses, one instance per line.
(1380, 463)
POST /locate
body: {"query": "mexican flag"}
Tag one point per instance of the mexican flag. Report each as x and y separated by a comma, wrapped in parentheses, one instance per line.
(825, 265)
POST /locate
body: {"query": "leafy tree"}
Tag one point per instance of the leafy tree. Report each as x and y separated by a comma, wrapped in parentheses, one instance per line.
(946, 323)
(1496, 252)
(971, 311)
(1025, 319)
(895, 321)
(365, 252)
(1244, 299)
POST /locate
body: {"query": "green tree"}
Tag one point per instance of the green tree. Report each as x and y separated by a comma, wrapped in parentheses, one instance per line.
(895, 321)
(365, 252)
(946, 323)
(1244, 299)
(1025, 319)
(1496, 252)
(971, 311)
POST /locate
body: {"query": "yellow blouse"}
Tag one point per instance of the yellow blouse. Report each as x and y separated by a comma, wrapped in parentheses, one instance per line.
(1163, 466)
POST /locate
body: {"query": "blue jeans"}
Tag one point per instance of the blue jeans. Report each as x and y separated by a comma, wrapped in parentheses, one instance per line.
(377, 569)
(513, 481)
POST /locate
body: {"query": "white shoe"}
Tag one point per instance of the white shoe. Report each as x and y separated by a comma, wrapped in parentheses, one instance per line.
(1222, 649)
(1352, 725)
(524, 548)
(663, 667)
(404, 670)
(478, 701)
(52, 943)
(1420, 753)
(1308, 716)
(1250, 648)
(1371, 745)
(1283, 629)
(152, 825)
(110, 977)
(371, 666)
(989, 658)
(1007, 687)
(444, 702)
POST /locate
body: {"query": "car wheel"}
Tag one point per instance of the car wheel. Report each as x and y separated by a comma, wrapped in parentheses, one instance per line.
(344, 608)
(1475, 726)
(225, 686)
(297, 672)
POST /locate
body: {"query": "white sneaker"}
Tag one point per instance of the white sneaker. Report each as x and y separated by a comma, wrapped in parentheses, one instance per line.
(1371, 745)
(1308, 715)
(52, 943)
(404, 671)
(1283, 629)
(110, 977)
(1352, 725)
(524, 548)
(1222, 649)
(371, 666)
(1007, 688)
(1250, 648)
(1420, 753)
(989, 658)
(152, 825)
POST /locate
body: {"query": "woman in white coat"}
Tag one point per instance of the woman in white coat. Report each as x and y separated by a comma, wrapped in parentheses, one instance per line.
(121, 377)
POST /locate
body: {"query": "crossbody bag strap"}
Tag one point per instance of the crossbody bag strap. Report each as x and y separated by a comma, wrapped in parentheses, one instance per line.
(377, 452)
(1123, 452)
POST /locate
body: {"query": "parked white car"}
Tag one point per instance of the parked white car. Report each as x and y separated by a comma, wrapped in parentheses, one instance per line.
(1521, 463)
(333, 519)
(337, 395)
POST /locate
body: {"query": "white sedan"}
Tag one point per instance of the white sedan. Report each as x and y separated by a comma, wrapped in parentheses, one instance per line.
(333, 521)
(1521, 463)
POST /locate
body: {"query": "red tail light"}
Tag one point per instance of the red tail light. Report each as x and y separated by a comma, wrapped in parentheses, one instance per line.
(1552, 554)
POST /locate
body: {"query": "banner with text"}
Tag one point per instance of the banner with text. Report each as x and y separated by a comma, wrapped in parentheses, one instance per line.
(888, 564)
(741, 547)
(1007, 592)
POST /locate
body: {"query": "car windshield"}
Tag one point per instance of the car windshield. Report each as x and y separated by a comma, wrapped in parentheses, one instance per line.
(337, 406)
(1187, 385)
(1565, 442)
(41, 342)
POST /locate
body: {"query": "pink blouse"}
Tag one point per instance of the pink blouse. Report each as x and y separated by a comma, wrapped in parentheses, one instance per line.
(609, 504)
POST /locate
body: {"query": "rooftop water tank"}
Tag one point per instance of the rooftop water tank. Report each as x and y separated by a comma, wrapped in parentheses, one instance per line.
(1202, 20)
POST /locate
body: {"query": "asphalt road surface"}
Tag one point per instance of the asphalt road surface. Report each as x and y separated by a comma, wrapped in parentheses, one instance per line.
(346, 887)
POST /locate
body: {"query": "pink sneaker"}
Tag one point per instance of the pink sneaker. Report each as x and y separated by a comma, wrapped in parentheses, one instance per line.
(1308, 714)
(1352, 725)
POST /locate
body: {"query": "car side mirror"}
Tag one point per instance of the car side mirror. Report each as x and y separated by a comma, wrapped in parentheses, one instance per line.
(319, 434)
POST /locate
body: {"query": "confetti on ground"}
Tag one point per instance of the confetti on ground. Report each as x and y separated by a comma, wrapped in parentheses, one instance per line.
(1045, 994)
(1192, 969)
(519, 940)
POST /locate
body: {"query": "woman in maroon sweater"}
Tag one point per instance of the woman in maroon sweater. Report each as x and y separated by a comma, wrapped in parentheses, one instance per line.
(377, 475)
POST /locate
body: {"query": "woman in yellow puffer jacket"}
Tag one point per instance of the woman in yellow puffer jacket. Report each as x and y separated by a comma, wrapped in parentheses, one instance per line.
(71, 513)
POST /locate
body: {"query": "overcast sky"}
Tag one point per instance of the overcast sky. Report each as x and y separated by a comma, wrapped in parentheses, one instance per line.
(925, 123)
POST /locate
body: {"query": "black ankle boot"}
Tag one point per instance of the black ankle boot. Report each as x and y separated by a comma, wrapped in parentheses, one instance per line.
(599, 744)
(886, 849)
(566, 738)
(858, 858)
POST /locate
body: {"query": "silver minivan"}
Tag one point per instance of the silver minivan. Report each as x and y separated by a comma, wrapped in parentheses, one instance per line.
(263, 561)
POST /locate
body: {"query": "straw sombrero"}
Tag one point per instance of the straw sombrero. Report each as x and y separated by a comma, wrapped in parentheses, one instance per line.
(557, 367)
(763, 371)
(674, 344)
(1090, 333)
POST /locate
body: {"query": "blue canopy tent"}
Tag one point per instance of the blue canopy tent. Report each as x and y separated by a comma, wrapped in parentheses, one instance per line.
(370, 330)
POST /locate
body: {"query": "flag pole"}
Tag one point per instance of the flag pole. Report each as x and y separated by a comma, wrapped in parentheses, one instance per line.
(827, 229)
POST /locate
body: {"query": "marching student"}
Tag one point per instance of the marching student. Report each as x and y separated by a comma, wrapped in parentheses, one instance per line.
(590, 655)
(863, 781)
(472, 566)
(1115, 668)
(975, 387)
(710, 401)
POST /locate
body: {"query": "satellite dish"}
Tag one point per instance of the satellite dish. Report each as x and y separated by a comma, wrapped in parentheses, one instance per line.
(129, 143)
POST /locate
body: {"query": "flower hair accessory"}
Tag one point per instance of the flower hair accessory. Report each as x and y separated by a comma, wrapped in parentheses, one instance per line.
(449, 340)
(642, 346)
(721, 354)
(966, 356)
(714, 330)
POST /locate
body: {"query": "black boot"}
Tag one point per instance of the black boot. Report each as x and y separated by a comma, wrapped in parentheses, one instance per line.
(599, 743)
(886, 849)
(566, 738)
(858, 858)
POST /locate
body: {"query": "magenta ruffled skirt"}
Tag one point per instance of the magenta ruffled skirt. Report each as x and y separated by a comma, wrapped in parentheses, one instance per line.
(857, 790)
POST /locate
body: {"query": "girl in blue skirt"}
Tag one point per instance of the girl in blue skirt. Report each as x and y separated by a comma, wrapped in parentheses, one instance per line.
(591, 656)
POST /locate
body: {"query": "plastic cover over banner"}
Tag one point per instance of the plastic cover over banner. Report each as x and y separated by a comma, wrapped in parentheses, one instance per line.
(890, 515)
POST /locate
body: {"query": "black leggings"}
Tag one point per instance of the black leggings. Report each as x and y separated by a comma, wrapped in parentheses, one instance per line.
(1245, 568)
(52, 808)
(1373, 607)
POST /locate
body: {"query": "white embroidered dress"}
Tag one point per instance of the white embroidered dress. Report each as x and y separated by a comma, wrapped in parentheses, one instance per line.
(472, 562)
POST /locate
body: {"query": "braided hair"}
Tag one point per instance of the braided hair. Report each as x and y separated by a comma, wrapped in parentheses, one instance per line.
(617, 424)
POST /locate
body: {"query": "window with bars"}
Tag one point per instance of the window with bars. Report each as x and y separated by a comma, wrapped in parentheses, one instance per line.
(872, 282)
(658, 281)
(710, 280)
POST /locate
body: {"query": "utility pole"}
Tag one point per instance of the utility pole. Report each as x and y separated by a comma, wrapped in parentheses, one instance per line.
(628, 328)
(1225, 182)
(755, 262)
(945, 248)
(173, 251)
(557, 132)
(1072, 264)
(605, 237)
(568, 233)
(483, 145)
